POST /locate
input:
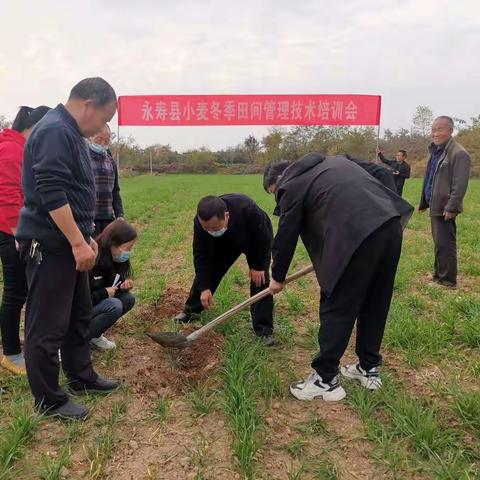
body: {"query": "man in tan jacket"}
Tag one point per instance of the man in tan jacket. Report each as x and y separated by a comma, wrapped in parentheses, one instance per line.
(444, 187)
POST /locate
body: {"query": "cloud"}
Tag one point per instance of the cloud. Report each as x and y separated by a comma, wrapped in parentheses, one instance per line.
(410, 52)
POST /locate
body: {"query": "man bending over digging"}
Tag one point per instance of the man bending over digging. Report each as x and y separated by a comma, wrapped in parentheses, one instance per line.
(224, 228)
(351, 225)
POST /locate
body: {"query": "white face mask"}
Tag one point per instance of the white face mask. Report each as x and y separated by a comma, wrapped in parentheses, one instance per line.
(218, 233)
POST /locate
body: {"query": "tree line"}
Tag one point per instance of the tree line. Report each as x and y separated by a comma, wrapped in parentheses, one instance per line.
(253, 154)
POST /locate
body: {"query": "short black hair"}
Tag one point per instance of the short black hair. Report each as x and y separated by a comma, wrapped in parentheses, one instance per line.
(211, 206)
(448, 119)
(96, 89)
(404, 153)
(272, 172)
(28, 117)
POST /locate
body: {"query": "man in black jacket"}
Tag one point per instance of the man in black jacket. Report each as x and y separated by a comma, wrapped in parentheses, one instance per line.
(400, 168)
(223, 229)
(351, 225)
(55, 231)
(382, 174)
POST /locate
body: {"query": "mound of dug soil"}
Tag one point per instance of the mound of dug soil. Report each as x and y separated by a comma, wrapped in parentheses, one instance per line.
(150, 369)
(171, 302)
(201, 357)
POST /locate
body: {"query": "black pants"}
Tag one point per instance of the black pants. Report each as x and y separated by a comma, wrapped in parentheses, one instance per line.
(59, 311)
(100, 226)
(444, 235)
(14, 294)
(363, 293)
(262, 311)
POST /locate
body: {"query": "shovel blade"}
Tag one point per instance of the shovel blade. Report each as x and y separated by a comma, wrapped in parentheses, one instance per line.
(169, 339)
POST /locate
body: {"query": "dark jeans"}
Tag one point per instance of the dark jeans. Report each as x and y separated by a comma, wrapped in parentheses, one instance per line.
(100, 226)
(262, 311)
(59, 311)
(444, 235)
(363, 293)
(14, 294)
(108, 311)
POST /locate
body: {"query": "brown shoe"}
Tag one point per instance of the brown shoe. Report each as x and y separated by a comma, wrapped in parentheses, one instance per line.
(7, 364)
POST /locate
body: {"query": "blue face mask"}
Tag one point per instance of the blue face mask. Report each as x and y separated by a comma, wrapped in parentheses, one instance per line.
(218, 233)
(122, 258)
(97, 148)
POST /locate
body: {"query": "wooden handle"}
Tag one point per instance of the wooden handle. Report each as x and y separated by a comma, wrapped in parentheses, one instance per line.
(238, 308)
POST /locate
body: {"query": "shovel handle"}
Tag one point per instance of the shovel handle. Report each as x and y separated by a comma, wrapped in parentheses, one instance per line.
(242, 306)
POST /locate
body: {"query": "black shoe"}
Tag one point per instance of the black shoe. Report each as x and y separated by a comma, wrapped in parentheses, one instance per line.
(445, 283)
(186, 317)
(68, 411)
(100, 385)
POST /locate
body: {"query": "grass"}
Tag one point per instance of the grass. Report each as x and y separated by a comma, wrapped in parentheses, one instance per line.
(52, 467)
(160, 410)
(297, 448)
(101, 449)
(15, 438)
(412, 433)
(467, 407)
(202, 400)
(326, 470)
(240, 384)
(411, 429)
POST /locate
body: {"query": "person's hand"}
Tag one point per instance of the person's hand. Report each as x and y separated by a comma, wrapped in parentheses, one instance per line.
(111, 291)
(257, 277)
(126, 285)
(17, 246)
(276, 287)
(449, 216)
(84, 256)
(396, 172)
(206, 298)
(94, 246)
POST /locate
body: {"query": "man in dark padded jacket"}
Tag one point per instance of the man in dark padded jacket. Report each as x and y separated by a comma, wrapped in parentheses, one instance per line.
(351, 225)
(223, 229)
(55, 231)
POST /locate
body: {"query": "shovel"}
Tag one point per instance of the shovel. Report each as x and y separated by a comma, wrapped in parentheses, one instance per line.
(178, 340)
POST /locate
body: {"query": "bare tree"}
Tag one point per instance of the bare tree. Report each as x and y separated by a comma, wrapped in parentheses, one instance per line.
(252, 147)
(422, 121)
(4, 123)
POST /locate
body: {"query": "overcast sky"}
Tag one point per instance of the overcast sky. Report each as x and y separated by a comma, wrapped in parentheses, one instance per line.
(412, 53)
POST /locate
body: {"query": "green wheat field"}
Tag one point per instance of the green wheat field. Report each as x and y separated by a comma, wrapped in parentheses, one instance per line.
(234, 418)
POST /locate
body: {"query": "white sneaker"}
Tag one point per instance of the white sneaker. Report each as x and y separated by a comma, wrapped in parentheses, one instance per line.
(369, 379)
(102, 343)
(314, 387)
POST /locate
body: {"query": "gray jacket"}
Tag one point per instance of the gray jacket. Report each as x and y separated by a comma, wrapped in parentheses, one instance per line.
(450, 181)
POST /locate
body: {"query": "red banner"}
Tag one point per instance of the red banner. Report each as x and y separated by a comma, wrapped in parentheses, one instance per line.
(194, 110)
